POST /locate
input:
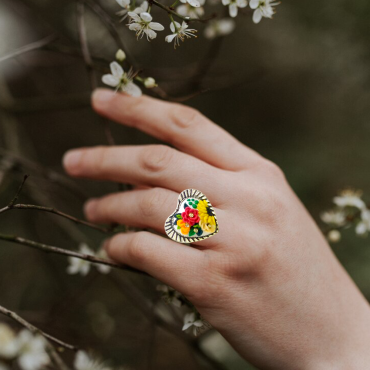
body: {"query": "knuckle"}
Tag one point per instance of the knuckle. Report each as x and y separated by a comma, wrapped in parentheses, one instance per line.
(150, 201)
(272, 169)
(185, 116)
(156, 158)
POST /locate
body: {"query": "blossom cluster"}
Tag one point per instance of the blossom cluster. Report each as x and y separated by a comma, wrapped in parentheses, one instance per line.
(82, 267)
(25, 349)
(140, 19)
(191, 319)
(30, 352)
(350, 210)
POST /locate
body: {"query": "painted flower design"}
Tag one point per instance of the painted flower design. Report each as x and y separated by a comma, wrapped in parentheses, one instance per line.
(183, 226)
(207, 219)
(190, 216)
(142, 24)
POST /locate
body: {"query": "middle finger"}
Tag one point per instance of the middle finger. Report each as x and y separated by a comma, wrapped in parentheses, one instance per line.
(152, 165)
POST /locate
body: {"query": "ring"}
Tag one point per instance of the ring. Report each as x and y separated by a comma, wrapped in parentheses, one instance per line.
(193, 220)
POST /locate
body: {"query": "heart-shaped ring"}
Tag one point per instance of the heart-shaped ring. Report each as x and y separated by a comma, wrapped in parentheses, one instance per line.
(193, 220)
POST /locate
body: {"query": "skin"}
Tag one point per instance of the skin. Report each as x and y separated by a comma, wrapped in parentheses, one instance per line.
(272, 287)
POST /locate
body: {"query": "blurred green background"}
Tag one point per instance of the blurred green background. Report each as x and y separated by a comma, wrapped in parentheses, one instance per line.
(295, 88)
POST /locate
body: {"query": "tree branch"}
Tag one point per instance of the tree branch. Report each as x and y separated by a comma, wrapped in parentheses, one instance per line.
(35, 330)
(65, 252)
(56, 212)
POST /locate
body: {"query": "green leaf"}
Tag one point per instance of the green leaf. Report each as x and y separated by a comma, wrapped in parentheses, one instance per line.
(178, 215)
(192, 232)
(178, 227)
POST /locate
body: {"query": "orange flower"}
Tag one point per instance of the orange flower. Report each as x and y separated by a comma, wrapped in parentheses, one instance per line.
(185, 227)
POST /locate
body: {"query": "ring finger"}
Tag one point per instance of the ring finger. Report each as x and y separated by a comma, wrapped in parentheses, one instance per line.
(139, 208)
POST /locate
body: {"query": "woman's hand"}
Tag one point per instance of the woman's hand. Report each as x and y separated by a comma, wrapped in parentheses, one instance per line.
(267, 281)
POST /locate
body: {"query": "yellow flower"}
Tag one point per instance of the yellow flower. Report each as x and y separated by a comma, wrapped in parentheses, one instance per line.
(205, 213)
(209, 227)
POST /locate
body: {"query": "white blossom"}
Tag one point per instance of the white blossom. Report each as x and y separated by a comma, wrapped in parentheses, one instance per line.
(85, 362)
(149, 83)
(125, 4)
(220, 27)
(142, 8)
(234, 5)
(334, 217)
(80, 266)
(142, 24)
(103, 269)
(179, 33)
(121, 80)
(8, 342)
(31, 351)
(187, 10)
(120, 55)
(262, 9)
(350, 198)
(193, 3)
(191, 320)
(363, 227)
(170, 295)
(334, 236)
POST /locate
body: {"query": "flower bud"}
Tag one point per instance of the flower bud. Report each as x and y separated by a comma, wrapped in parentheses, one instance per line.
(149, 83)
(120, 55)
(334, 236)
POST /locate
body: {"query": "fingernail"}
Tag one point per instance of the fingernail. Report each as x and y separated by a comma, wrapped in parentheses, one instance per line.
(101, 97)
(89, 206)
(72, 158)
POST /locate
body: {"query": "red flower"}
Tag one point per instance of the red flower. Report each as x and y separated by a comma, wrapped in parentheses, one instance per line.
(190, 216)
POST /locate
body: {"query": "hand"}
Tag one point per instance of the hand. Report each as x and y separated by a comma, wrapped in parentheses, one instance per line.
(267, 281)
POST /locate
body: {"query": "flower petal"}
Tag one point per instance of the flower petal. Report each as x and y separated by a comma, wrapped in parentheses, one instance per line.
(183, 10)
(254, 4)
(169, 38)
(233, 10)
(151, 34)
(257, 16)
(156, 26)
(146, 17)
(116, 69)
(110, 80)
(194, 3)
(241, 3)
(132, 89)
(134, 16)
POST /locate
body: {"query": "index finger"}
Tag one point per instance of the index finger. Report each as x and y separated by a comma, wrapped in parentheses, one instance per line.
(181, 126)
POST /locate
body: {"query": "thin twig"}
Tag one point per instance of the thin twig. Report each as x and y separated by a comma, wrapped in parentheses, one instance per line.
(65, 252)
(12, 202)
(35, 330)
(33, 46)
(56, 212)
